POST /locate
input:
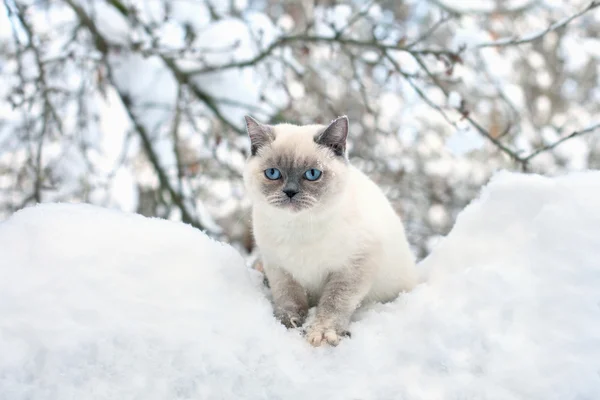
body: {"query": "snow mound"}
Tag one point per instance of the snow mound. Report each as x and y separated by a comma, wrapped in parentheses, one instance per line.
(96, 304)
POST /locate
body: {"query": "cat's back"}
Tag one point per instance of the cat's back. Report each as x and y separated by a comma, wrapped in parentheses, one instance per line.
(396, 267)
(370, 201)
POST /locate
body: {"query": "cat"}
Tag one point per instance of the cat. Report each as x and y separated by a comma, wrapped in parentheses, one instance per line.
(327, 234)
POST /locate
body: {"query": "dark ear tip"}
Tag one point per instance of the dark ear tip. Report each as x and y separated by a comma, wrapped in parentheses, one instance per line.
(251, 124)
(343, 119)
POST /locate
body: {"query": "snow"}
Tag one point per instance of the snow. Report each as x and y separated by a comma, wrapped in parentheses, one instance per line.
(99, 304)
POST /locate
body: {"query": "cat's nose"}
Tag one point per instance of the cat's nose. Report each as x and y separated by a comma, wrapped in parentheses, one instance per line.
(290, 192)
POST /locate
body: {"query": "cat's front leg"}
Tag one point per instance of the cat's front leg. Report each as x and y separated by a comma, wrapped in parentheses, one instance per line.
(343, 293)
(289, 298)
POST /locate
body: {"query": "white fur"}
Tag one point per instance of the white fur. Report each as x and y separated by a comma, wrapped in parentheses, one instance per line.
(312, 243)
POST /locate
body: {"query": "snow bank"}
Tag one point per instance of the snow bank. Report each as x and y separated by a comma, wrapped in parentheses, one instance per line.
(97, 304)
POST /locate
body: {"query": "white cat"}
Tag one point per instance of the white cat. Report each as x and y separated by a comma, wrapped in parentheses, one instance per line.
(327, 234)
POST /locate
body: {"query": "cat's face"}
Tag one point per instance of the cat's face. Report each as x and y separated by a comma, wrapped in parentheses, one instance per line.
(296, 168)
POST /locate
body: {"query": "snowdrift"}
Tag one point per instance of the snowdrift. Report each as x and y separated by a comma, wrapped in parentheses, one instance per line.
(97, 304)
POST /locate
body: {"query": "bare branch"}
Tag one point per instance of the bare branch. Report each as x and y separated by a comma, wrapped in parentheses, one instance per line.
(551, 146)
(538, 35)
(154, 160)
(497, 10)
(49, 111)
(307, 38)
(183, 77)
(102, 45)
(176, 139)
(429, 31)
(512, 153)
(356, 17)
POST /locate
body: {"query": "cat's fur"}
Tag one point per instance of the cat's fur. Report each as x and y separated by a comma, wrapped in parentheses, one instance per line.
(337, 243)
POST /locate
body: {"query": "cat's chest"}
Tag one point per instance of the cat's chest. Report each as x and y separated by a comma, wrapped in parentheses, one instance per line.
(307, 247)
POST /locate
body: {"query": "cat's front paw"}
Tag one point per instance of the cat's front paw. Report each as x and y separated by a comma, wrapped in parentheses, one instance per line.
(291, 319)
(321, 334)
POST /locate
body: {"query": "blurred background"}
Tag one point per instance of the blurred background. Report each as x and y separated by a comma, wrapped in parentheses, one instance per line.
(138, 105)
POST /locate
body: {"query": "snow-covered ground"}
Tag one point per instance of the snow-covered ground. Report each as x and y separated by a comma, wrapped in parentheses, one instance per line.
(96, 304)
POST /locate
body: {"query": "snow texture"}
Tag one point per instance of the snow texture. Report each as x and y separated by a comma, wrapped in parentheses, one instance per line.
(97, 304)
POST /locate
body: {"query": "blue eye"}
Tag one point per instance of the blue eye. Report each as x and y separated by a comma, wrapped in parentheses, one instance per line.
(272, 173)
(312, 174)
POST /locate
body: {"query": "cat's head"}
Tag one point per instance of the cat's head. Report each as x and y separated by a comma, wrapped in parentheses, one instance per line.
(296, 168)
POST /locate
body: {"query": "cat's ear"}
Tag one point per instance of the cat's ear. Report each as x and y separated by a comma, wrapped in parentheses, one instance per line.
(334, 136)
(259, 134)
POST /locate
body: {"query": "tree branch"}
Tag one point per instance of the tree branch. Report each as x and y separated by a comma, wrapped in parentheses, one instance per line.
(496, 10)
(551, 146)
(538, 35)
(49, 111)
(307, 38)
(182, 77)
(102, 46)
(511, 153)
(186, 217)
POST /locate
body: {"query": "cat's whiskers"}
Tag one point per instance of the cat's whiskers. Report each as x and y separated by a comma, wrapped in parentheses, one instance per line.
(274, 199)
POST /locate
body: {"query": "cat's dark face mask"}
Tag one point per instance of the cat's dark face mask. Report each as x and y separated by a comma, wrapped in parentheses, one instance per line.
(299, 173)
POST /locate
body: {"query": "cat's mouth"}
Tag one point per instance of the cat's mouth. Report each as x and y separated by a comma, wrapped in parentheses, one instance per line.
(292, 204)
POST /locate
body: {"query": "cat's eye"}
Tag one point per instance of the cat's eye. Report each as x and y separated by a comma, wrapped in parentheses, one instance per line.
(312, 174)
(272, 173)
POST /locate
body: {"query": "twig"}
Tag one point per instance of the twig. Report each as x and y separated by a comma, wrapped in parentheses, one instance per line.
(511, 153)
(551, 146)
(182, 77)
(49, 111)
(102, 46)
(363, 12)
(497, 10)
(176, 139)
(429, 32)
(307, 38)
(511, 41)
(154, 160)
(522, 160)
